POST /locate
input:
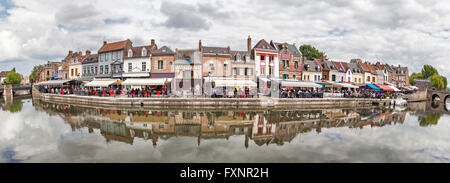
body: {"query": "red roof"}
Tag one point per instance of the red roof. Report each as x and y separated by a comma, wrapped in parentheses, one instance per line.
(114, 46)
(345, 65)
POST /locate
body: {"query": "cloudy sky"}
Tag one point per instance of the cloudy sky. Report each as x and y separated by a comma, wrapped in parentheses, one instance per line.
(405, 32)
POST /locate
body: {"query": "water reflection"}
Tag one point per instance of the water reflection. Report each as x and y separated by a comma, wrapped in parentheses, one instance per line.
(262, 127)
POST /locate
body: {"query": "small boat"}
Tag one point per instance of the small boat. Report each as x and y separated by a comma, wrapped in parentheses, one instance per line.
(399, 101)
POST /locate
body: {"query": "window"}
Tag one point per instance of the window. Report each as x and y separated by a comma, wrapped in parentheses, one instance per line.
(241, 71)
(144, 66)
(368, 78)
(76, 71)
(211, 67)
(96, 69)
(106, 69)
(144, 52)
(349, 80)
(270, 71)
(130, 53)
(333, 77)
(285, 76)
(71, 72)
(263, 69)
(187, 74)
(359, 80)
(160, 64)
(262, 58)
(270, 59)
(296, 64)
(249, 72)
(130, 67)
(101, 69)
(373, 79)
(234, 72)
(293, 76)
(225, 67)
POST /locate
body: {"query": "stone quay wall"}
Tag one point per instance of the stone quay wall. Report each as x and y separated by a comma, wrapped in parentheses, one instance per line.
(265, 102)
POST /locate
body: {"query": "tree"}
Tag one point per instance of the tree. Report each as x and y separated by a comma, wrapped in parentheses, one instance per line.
(13, 78)
(310, 52)
(430, 119)
(428, 71)
(15, 107)
(33, 75)
(444, 79)
(414, 76)
(437, 82)
(14, 69)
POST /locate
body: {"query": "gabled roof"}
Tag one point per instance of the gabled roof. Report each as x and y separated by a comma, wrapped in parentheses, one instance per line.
(313, 67)
(294, 50)
(356, 68)
(163, 50)
(263, 44)
(243, 54)
(338, 66)
(345, 66)
(114, 46)
(4, 73)
(214, 50)
(137, 51)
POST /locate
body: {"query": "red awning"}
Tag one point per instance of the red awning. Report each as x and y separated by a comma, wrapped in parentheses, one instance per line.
(385, 87)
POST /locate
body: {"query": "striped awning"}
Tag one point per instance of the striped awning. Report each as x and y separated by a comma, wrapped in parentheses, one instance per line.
(373, 87)
(384, 87)
(103, 82)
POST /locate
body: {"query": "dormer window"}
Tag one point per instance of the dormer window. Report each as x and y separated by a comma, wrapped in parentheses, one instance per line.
(238, 57)
(144, 52)
(130, 53)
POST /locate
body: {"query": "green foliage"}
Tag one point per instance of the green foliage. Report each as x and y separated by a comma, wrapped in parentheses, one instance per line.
(414, 76)
(310, 52)
(428, 71)
(444, 79)
(14, 69)
(15, 107)
(34, 73)
(13, 78)
(430, 119)
(437, 82)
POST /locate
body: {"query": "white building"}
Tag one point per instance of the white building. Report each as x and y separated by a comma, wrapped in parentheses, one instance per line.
(137, 63)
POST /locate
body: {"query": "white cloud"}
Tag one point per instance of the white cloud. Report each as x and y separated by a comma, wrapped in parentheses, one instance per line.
(406, 32)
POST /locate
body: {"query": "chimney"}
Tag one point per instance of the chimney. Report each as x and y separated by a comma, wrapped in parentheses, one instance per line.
(104, 42)
(88, 52)
(323, 58)
(152, 42)
(229, 49)
(200, 48)
(249, 44)
(70, 53)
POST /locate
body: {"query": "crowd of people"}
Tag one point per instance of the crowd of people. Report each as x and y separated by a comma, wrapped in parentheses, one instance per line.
(313, 93)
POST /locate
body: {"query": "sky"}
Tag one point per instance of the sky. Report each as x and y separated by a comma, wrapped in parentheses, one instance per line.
(402, 32)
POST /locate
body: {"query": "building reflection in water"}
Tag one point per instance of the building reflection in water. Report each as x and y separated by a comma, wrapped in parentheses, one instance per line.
(262, 127)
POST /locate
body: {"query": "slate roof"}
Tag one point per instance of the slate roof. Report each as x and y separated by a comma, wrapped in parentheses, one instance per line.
(163, 50)
(313, 67)
(181, 56)
(137, 51)
(93, 58)
(243, 54)
(356, 68)
(214, 50)
(294, 50)
(114, 46)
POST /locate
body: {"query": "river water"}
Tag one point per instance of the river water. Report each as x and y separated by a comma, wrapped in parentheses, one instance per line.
(35, 131)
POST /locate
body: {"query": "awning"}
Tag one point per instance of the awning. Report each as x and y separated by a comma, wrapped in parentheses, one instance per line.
(347, 85)
(146, 82)
(385, 87)
(103, 82)
(300, 84)
(334, 85)
(52, 83)
(373, 87)
(234, 83)
(394, 88)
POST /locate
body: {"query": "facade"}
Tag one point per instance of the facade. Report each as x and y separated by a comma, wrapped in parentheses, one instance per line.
(290, 60)
(216, 61)
(348, 72)
(188, 73)
(90, 67)
(312, 71)
(357, 73)
(266, 60)
(50, 71)
(401, 76)
(137, 62)
(111, 57)
(75, 64)
(369, 73)
(242, 66)
(341, 71)
(422, 84)
(163, 63)
(3, 75)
